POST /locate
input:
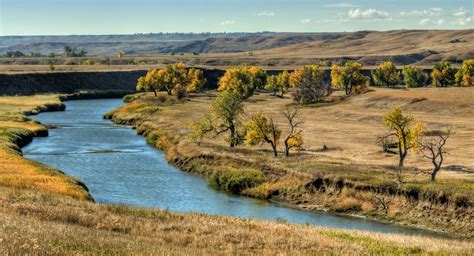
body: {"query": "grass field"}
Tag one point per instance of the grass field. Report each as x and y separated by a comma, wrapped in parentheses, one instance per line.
(41, 223)
(354, 169)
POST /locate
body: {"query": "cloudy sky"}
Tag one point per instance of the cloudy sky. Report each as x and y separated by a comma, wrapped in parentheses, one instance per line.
(64, 17)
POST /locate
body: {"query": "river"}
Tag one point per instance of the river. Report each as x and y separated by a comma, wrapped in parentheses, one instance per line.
(119, 167)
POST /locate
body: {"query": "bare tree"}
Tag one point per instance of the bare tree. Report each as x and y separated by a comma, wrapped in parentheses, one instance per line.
(293, 139)
(433, 149)
(384, 202)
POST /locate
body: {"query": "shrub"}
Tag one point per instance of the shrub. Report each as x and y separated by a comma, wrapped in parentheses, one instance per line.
(243, 80)
(386, 75)
(235, 180)
(443, 75)
(465, 75)
(414, 77)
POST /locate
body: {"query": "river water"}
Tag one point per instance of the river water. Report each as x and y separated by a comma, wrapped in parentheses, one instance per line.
(119, 167)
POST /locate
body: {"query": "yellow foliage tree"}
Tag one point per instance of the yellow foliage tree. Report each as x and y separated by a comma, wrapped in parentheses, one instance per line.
(465, 75)
(348, 77)
(243, 80)
(443, 74)
(196, 80)
(386, 74)
(407, 134)
(261, 130)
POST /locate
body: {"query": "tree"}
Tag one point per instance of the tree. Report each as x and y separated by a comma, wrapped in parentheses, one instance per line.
(243, 80)
(196, 80)
(310, 85)
(433, 149)
(465, 75)
(278, 83)
(224, 117)
(406, 133)
(143, 85)
(386, 75)
(348, 76)
(293, 139)
(261, 130)
(443, 74)
(414, 77)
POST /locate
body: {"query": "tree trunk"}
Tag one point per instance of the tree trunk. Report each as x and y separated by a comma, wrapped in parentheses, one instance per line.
(154, 91)
(275, 152)
(433, 174)
(287, 149)
(232, 136)
(169, 92)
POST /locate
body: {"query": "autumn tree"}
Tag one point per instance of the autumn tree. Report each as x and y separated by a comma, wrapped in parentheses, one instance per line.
(414, 77)
(278, 83)
(465, 74)
(196, 80)
(309, 84)
(293, 138)
(143, 85)
(224, 117)
(386, 74)
(174, 79)
(432, 148)
(261, 129)
(243, 80)
(405, 132)
(348, 77)
(443, 75)
(120, 53)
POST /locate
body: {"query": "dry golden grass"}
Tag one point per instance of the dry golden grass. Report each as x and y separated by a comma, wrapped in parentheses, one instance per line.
(18, 172)
(42, 223)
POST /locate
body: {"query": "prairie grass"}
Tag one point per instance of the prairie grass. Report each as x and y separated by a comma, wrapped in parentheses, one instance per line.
(45, 223)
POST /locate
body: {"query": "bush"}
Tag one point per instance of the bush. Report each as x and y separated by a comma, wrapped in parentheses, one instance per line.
(465, 75)
(443, 74)
(414, 77)
(235, 180)
(346, 204)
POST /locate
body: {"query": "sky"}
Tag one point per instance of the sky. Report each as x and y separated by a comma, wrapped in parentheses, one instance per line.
(75, 17)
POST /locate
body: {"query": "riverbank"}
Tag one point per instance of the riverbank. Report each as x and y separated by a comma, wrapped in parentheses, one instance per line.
(312, 179)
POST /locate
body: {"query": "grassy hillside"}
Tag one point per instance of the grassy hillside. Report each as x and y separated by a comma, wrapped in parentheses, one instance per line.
(351, 174)
(420, 47)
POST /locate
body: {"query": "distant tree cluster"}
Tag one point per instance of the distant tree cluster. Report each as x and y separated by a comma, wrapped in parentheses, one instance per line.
(73, 52)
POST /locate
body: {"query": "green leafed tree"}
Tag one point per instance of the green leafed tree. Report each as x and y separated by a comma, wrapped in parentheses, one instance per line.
(414, 77)
(386, 75)
(348, 76)
(225, 117)
(465, 75)
(278, 83)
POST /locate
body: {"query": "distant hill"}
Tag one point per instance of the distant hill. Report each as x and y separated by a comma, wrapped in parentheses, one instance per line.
(422, 47)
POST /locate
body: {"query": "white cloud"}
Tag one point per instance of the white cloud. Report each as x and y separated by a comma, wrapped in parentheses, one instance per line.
(367, 15)
(423, 13)
(305, 21)
(266, 13)
(341, 5)
(228, 22)
(429, 21)
(463, 21)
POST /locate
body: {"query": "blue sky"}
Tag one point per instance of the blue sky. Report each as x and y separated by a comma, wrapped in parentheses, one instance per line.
(65, 17)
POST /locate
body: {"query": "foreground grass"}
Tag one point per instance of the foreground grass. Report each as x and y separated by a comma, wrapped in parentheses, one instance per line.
(352, 176)
(15, 131)
(44, 223)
